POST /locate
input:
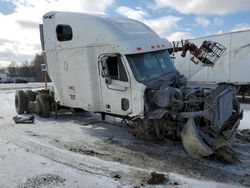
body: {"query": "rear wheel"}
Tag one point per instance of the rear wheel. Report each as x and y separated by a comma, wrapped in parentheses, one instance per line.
(43, 108)
(20, 101)
(30, 97)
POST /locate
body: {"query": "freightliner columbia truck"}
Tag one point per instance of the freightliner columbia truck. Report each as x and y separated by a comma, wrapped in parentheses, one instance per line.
(121, 67)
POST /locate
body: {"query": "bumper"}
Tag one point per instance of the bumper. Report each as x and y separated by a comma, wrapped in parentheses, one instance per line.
(198, 144)
(192, 141)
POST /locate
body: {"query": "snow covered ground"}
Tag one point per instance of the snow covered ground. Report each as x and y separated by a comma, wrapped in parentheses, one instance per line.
(245, 122)
(79, 150)
(21, 168)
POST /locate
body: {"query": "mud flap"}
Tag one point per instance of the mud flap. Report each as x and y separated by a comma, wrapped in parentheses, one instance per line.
(192, 142)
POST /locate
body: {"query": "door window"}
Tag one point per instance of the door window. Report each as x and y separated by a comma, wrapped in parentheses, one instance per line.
(116, 69)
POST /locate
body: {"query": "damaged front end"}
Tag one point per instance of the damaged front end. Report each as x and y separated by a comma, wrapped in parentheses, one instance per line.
(214, 126)
(204, 119)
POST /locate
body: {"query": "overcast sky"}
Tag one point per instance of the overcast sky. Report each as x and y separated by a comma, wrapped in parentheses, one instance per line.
(173, 19)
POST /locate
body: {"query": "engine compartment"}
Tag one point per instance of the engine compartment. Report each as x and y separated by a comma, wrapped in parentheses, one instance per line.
(204, 119)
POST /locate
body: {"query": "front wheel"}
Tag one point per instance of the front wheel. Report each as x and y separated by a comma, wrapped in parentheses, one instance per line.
(20, 102)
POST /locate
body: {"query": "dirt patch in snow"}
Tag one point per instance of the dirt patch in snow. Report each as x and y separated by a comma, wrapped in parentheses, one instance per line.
(156, 178)
(42, 180)
(225, 155)
(30, 133)
(243, 135)
(164, 157)
(86, 151)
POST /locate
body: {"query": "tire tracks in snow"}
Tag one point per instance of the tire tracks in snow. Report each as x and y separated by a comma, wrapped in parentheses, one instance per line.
(90, 164)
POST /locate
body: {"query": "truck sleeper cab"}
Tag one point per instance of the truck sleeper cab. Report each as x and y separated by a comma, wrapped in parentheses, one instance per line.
(121, 67)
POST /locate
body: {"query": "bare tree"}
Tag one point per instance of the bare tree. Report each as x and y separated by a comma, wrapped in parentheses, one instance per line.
(36, 68)
(12, 69)
(2, 69)
(27, 69)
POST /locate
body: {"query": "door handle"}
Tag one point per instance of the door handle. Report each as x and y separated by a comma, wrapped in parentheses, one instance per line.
(117, 87)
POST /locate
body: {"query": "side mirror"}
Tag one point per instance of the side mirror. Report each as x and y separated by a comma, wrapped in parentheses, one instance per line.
(104, 67)
(108, 80)
(105, 71)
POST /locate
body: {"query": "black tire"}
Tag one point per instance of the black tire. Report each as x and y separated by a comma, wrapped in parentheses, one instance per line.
(78, 110)
(30, 95)
(43, 105)
(20, 102)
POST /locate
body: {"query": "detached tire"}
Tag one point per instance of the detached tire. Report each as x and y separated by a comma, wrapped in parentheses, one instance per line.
(20, 102)
(43, 105)
(30, 95)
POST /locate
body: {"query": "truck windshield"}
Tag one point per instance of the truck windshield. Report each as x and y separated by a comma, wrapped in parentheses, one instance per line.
(147, 66)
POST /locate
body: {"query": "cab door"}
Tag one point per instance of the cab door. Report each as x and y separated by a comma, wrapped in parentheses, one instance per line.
(115, 85)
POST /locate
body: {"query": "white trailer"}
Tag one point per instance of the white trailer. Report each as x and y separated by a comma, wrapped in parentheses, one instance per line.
(121, 67)
(232, 67)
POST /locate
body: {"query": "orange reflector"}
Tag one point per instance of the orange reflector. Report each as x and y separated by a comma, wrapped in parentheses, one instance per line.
(152, 46)
(138, 49)
(158, 46)
(162, 45)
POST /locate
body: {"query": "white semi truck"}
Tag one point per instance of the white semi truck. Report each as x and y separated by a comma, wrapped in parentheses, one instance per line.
(232, 67)
(121, 67)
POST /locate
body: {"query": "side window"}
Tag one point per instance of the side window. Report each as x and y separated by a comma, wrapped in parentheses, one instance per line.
(116, 69)
(64, 33)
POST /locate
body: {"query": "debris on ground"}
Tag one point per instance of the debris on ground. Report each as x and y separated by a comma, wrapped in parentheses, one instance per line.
(224, 155)
(176, 183)
(42, 180)
(156, 178)
(243, 135)
(116, 176)
(85, 151)
(25, 120)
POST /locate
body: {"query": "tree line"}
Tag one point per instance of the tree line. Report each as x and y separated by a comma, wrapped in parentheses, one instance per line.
(30, 69)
